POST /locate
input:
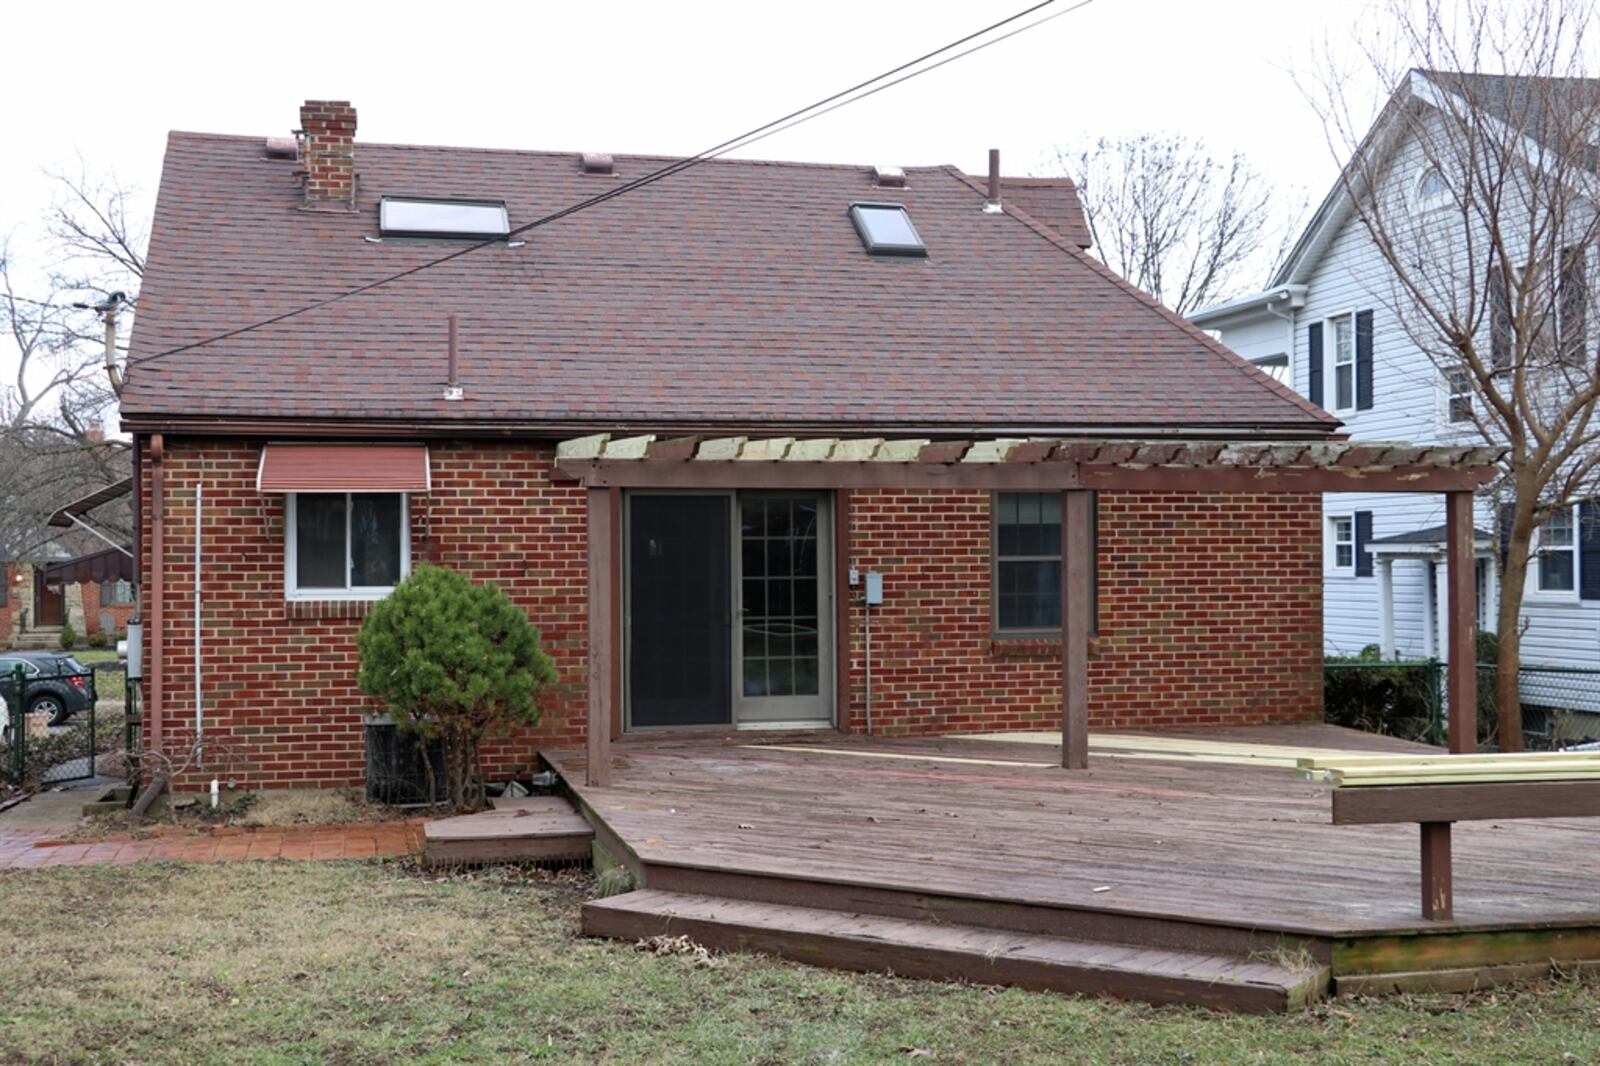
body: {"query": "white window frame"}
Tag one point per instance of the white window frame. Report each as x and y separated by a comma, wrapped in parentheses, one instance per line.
(1449, 392)
(1331, 364)
(1331, 543)
(360, 592)
(1540, 550)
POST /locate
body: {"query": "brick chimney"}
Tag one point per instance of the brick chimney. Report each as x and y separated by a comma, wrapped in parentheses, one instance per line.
(328, 134)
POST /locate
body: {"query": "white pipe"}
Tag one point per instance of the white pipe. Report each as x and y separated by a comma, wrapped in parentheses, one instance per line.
(199, 713)
(866, 608)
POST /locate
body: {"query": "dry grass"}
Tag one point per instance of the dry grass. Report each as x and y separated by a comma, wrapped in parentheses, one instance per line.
(312, 806)
(373, 962)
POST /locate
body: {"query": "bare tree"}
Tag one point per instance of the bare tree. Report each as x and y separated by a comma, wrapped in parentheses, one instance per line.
(1478, 188)
(1182, 225)
(54, 407)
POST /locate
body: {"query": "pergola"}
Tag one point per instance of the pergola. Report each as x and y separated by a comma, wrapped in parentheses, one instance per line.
(1075, 468)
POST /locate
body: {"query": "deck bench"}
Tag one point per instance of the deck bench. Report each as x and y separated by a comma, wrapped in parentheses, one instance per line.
(1440, 794)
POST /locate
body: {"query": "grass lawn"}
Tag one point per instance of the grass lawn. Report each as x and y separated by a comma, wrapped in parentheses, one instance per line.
(372, 962)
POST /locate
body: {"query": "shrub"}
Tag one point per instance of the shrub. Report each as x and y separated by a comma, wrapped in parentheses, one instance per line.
(1399, 699)
(97, 639)
(69, 636)
(453, 661)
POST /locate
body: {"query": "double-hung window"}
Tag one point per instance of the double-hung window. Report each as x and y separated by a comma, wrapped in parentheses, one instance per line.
(1557, 550)
(346, 545)
(1342, 544)
(1027, 563)
(1342, 357)
(1458, 394)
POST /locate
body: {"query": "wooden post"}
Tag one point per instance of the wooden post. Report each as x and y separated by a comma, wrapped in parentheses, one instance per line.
(1077, 570)
(1438, 891)
(1461, 609)
(841, 611)
(604, 648)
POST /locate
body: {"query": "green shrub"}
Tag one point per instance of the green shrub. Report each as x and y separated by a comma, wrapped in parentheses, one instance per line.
(1399, 699)
(69, 636)
(97, 639)
(453, 661)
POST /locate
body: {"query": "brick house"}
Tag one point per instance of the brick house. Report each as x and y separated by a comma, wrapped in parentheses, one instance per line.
(310, 461)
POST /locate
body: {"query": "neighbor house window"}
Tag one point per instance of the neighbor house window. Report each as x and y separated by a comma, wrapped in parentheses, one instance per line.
(1432, 192)
(1558, 571)
(1458, 394)
(1342, 543)
(1027, 562)
(1342, 355)
(349, 545)
(122, 592)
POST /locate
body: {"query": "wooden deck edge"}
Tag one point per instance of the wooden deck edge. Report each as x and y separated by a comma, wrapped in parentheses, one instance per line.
(569, 848)
(1450, 949)
(1044, 919)
(868, 955)
(1463, 979)
(605, 837)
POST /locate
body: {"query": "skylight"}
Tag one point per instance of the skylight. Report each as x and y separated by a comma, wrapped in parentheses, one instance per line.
(418, 217)
(886, 229)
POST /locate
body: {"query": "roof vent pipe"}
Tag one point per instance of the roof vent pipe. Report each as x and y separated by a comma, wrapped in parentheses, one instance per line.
(452, 388)
(991, 206)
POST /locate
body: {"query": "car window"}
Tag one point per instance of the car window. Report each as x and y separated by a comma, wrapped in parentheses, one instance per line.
(71, 665)
(9, 666)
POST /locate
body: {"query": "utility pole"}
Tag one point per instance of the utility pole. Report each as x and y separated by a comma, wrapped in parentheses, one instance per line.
(108, 311)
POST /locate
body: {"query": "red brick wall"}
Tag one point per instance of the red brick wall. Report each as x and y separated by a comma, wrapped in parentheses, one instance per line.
(279, 686)
(1210, 611)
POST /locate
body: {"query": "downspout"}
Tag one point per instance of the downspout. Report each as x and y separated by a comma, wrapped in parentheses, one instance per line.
(199, 713)
(157, 565)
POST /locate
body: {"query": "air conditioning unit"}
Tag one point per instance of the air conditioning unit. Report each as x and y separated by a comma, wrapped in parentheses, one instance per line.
(397, 775)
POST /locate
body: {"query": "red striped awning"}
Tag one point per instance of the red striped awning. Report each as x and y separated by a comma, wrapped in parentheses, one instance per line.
(296, 467)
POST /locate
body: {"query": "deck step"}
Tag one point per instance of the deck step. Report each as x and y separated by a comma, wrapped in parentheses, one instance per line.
(874, 943)
(529, 829)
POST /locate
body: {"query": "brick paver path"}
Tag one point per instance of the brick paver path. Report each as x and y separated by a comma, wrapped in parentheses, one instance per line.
(24, 849)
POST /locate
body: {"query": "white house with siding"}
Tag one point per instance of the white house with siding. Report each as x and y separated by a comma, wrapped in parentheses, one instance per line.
(1324, 326)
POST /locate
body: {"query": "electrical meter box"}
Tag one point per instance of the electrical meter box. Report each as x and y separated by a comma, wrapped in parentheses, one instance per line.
(874, 589)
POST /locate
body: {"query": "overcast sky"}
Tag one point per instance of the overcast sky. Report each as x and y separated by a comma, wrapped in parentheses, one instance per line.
(107, 81)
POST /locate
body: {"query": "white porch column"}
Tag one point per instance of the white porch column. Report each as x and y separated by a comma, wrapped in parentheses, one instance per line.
(1386, 603)
(1441, 601)
(1491, 595)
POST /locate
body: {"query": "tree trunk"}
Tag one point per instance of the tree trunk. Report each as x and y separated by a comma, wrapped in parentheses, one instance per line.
(1508, 658)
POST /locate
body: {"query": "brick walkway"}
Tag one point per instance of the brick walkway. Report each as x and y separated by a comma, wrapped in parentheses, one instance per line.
(26, 849)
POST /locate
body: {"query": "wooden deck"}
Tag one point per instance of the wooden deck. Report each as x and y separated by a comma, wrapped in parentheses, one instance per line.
(1191, 847)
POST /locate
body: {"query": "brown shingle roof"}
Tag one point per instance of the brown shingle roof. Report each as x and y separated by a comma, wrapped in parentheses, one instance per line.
(736, 294)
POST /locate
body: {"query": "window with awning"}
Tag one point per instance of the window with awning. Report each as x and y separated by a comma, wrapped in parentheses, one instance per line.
(347, 530)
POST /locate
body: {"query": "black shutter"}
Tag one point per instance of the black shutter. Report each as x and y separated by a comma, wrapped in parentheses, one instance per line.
(1314, 361)
(1589, 550)
(1363, 360)
(1363, 538)
(1499, 319)
(5, 585)
(1574, 323)
(105, 593)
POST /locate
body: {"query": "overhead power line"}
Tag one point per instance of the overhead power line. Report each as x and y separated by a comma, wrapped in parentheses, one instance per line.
(861, 90)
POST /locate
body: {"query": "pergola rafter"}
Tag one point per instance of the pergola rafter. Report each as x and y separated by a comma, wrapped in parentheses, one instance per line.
(1074, 467)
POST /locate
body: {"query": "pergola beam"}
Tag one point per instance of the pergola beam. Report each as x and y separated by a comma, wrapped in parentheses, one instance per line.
(1077, 592)
(1461, 603)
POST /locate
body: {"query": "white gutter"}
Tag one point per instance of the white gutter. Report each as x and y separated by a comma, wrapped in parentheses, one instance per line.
(1295, 295)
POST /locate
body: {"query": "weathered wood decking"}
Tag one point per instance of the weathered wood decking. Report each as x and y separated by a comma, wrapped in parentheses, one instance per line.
(1146, 849)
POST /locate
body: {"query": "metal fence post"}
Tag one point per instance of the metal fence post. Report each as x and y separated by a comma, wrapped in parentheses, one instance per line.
(19, 728)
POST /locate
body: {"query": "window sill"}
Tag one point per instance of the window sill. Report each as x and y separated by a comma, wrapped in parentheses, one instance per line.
(1038, 647)
(311, 610)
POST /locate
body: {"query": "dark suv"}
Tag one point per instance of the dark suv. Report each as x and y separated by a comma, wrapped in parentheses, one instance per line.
(58, 685)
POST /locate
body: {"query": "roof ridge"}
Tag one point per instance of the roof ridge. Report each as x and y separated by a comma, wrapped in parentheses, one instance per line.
(556, 153)
(1251, 372)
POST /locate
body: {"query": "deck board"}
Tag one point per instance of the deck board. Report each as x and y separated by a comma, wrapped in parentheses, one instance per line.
(1230, 844)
